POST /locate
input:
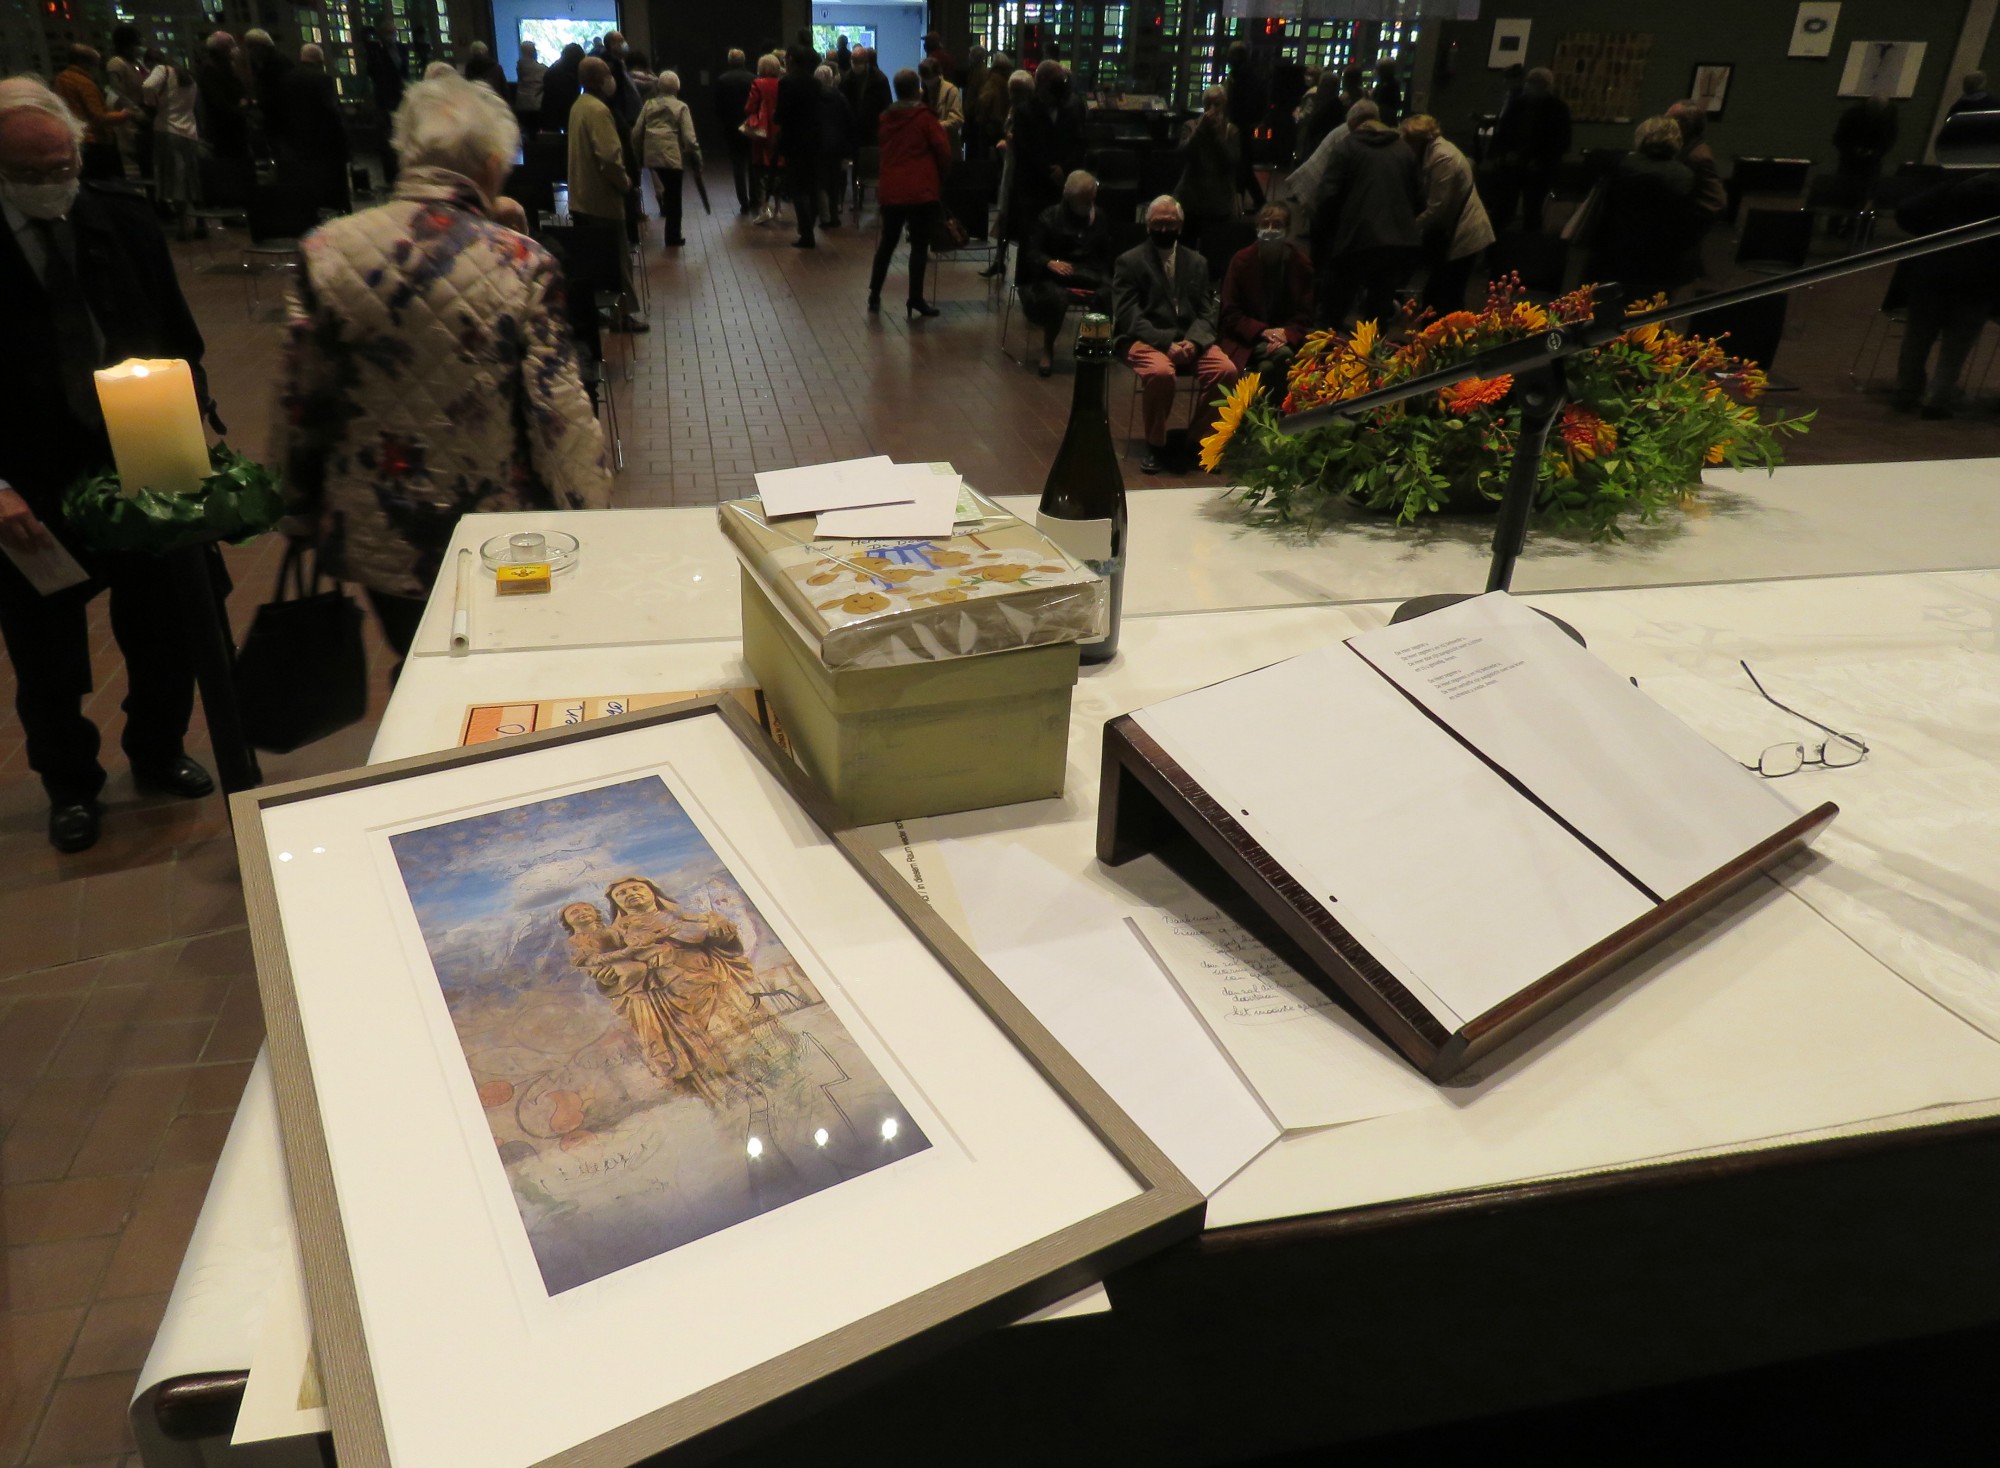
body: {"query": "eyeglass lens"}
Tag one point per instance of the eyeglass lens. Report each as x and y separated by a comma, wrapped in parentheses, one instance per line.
(1781, 759)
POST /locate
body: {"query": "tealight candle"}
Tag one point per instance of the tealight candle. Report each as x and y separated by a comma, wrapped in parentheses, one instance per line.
(155, 425)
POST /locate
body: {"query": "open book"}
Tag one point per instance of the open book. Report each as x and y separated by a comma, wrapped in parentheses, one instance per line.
(1462, 819)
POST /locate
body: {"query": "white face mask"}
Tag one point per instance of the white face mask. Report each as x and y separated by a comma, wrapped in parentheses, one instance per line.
(1269, 236)
(42, 200)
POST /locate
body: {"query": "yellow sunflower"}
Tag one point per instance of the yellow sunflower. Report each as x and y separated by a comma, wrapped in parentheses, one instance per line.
(1364, 338)
(1229, 417)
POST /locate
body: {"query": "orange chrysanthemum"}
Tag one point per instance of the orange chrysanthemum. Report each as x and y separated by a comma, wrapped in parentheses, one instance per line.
(1586, 434)
(1475, 393)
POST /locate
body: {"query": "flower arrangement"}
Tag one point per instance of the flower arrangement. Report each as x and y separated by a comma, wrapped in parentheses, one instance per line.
(1646, 412)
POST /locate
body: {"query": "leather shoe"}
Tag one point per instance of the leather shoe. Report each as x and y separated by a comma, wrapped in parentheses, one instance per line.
(74, 828)
(182, 777)
(1152, 462)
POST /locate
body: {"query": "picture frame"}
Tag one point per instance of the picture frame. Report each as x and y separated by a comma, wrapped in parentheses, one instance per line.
(1509, 45)
(1813, 27)
(1888, 67)
(1708, 84)
(433, 1326)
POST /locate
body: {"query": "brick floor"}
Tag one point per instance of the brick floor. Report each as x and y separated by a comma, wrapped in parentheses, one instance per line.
(128, 1013)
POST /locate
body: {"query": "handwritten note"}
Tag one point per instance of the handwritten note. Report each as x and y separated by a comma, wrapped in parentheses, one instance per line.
(1309, 1061)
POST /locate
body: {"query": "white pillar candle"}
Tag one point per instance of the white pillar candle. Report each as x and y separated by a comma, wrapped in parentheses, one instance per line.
(155, 426)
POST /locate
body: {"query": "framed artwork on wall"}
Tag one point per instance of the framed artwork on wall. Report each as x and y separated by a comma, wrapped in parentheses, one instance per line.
(1709, 85)
(604, 1047)
(1510, 44)
(1887, 67)
(1600, 73)
(1812, 28)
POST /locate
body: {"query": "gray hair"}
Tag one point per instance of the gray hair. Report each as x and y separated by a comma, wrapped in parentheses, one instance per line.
(669, 83)
(1166, 201)
(823, 75)
(1078, 181)
(32, 94)
(311, 55)
(1540, 79)
(1360, 112)
(1022, 82)
(449, 122)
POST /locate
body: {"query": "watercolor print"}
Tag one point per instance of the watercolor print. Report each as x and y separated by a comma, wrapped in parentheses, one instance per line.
(653, 1064)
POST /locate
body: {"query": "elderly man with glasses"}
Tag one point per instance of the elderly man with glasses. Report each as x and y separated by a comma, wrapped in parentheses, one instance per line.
(88, 282)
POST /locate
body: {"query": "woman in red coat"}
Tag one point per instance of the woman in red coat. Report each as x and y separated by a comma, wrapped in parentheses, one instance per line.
(760, 120)
(915, 155)
(1267, 299)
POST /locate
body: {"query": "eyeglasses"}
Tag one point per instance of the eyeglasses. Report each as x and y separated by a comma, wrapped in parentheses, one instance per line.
(1837, 753)
(61, 173)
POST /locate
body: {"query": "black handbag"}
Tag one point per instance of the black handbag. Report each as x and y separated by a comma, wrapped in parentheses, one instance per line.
(302, 673)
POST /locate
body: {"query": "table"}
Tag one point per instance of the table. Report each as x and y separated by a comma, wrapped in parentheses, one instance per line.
(1509, 1227)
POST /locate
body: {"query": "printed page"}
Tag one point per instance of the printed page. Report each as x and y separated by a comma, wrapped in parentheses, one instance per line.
(1463, 890)
(839, 486)
(1655, 796)
(49, 569)
(1311, 1062)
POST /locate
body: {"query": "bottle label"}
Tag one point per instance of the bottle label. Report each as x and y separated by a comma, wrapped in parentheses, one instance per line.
(1084, 540)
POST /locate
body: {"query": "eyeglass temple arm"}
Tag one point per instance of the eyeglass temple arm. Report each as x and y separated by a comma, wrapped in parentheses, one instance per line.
(1828, 728)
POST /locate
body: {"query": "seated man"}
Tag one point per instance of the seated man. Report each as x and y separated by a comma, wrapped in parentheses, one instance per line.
(1065, 262)
(1165, 309)
(1267, 299)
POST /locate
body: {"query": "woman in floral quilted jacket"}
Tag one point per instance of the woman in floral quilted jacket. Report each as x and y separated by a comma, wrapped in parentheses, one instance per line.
(428, 369)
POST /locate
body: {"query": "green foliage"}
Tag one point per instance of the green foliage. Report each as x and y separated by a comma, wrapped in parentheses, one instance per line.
(238, 501)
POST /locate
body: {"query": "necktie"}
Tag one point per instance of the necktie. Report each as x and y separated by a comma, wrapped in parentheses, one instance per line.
(76, 332)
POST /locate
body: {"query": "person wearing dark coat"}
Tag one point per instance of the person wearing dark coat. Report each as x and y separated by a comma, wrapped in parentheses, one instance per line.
(1037, 137)
(1973, 96)
(385, 62)
(843, 59)
(731, 98)
(560, 89)
(1365, 235)
(1529, 141)
(799, 140)
(1387, 92)
(1065, 263)
(270, 73)
(1211, 152)
(1863, 137)
(1649, 218)
(867, 94)
(1248, 100)
(1288, 90)
(225, 122)
(1267, 300)
(836, 145)
(88, 282)
(316, 152)
(1951, 293)
(1164, 310)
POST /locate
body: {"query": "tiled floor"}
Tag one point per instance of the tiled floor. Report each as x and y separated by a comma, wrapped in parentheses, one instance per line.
(128, 1011)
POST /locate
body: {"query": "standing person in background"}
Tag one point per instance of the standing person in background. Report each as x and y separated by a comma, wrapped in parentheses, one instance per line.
(316, 151)
(842, 57)
(1324, 111)
(1006, 229)
(87, 282)
(990, 106)
(480, 67)
(1647, 220)
(934, 51)
(1863, 137)
(1247, 100)
(867, 93)
(645, 81)
(170, 92)
(625, 104)
(760, 117)
(1288, 90)
(915, 158)
(1035, 141)
(269, 69)
(664, 140)
(976, 142)
(1529, 141)
(77, 85)
(1973, 96)
(125, 80)
(1453, 226)
(1211, 148)
(1365, 237)
(598, 181)
(944, 99)
(1388, 92)
(225, 122)
(386, 64)
(1710, 197)
(732, 98)
(560, 88)
(799, 142)
(528, 74)
(836, 147)
(1951, 294)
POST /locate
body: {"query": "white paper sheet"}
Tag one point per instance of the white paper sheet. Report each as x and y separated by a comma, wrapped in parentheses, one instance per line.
(927, 507)
(1311, 1062)
(1460, 888)
(1658, 798)
(1063, 948)
(283, 1397)
(48, 570)
(814, 487)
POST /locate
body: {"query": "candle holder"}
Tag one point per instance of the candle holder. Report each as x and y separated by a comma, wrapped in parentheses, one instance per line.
(238, 500)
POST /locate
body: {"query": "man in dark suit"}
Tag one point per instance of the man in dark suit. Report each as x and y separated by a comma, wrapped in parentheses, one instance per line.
(560, 89)
(1165, 311)
(799, 139)
(88, 282)
(316, 152)
(732, 98)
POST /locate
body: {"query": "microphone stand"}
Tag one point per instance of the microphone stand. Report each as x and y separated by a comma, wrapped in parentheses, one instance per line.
(1540, 387)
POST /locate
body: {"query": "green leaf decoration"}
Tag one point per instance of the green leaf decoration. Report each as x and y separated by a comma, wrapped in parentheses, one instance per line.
(239, 501)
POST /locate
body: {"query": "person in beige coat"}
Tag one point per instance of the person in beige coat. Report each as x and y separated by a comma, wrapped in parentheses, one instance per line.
(663, 140)
(1453, 223)
(427, 370)
(944, 99)
(598, 180)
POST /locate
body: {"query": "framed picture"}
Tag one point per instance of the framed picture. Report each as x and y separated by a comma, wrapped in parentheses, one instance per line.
(1709, 85)
(1888, 68)
(624, 1098)
(1510, 44)
(1812, 28)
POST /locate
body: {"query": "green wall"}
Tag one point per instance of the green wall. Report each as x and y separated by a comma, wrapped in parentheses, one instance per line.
(1778, 106)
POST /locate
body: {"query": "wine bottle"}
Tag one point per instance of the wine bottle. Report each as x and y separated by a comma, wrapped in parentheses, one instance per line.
(1083, 502)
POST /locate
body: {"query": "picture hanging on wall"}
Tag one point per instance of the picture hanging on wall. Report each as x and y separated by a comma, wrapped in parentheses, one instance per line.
(1510, 44)
(1710, 86)
(1599, 73)
(1812, 30)
(1886, 67)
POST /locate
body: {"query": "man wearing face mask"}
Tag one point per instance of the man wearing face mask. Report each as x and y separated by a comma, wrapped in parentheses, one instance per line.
(88, 282)
(1267, 299)
(1165, 312)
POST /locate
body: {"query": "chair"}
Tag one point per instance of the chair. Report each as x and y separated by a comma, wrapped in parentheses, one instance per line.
(1774, 177)
(589, 260)
(867, 170)
(1541, 260)
(970, 208)
(277, 215)
(1844, 205)
(225, 189)
(1182, 381)
(1774, 240)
